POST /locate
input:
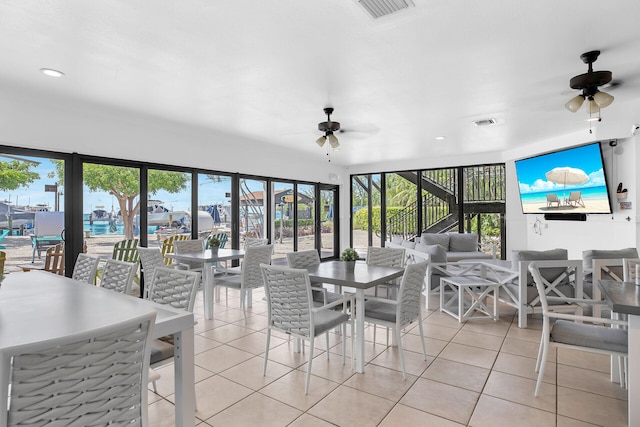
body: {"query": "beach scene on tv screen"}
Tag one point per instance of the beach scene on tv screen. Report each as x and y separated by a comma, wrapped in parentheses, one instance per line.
(571, 180)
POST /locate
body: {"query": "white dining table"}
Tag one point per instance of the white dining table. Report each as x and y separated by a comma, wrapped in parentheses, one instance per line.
(624, 298)
(38, 306)
(362, 277)
(208, 258)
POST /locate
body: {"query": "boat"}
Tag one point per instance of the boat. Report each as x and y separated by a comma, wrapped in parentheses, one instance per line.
(100, 214)
(159, 215)
(13, 216)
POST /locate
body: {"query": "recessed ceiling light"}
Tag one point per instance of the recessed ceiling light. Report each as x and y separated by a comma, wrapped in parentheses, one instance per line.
(51, 72)
(440, 138)
(485, 122)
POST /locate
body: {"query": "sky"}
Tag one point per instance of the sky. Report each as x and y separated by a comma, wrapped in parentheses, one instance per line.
(531, 172)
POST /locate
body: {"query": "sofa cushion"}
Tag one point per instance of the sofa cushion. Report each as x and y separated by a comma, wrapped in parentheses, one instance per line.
(396, 240)
(550, 255)
(436, 253)
(463, 242)
(441, 239)
(408, 244)
(459, 256)
(590, 255)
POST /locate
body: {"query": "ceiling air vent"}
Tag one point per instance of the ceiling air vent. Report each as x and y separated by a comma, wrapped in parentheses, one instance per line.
(485, 122)
(379, 8)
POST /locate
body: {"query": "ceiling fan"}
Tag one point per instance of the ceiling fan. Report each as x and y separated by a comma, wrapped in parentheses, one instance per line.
(328, 128)
(589, 83)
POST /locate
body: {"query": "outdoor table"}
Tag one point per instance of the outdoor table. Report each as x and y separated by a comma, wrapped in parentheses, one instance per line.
(363, 276)
(208, 258)
(39, 306)
(624, 297)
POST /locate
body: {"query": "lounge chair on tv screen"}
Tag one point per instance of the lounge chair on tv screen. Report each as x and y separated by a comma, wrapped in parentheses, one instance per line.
(551, 199)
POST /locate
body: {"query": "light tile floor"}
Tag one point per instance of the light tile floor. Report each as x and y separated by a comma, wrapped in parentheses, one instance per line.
(479, 373)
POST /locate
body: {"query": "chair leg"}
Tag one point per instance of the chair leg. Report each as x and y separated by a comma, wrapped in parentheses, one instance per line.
(539, 359)
(306, 385)
(399, 338)
(344, 342)
(543, 363)
(266, 353)
(243, 294)
(327, 335)
(374, 335)
(424, 349)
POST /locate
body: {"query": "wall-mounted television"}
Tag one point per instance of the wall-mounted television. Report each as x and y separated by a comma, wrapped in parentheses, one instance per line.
(565, 181)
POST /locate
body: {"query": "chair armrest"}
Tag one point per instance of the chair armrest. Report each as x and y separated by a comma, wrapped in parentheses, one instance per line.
(589, 319)
(383, 300)
(345, 299)
(577, 300)
(321, 289)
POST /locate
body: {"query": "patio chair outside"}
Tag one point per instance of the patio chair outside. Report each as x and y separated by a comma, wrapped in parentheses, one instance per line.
(126, 250)
(167, 246)
(3, 234)
(551, 199)
(98, 375)
(575, 199)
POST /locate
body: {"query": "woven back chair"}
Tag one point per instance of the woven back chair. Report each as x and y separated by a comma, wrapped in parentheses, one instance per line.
(150, 258)
(254, 241)
(189, 247)
(250, 276)
(176, 288)
(386, 257)
(630, 269)
(397, 314)
(54, 260)
(291, 310)
(90, 378)
(126, 250)
(118, 276)
(308, 259)
(167, 246)
(85, 269)
(3, 258)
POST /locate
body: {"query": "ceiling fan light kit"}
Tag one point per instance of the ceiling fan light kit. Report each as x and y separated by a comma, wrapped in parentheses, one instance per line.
(328, 128)
(589, 83)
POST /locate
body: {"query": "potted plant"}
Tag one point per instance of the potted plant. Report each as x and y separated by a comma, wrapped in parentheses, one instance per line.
(214, 243)
(349, 256)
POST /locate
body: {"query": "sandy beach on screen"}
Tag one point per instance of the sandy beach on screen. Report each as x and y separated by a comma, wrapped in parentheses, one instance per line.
(590, 206)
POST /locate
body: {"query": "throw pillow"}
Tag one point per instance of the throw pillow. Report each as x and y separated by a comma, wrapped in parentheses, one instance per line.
(436, 253)
(408, 244)
(590, 255)
(550, 255)
(463, 242)
(435, 239)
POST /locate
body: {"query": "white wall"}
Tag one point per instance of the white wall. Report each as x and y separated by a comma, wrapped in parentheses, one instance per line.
(600, 231)
(61, 125)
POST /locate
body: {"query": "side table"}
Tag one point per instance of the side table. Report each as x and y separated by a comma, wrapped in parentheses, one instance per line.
(466, 299)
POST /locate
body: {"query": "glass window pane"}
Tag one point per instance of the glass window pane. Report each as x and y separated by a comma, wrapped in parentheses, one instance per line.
(327, 218)
(284, 201)
(29, 185)
(401, 205)
(110, 204)
(253, 209)
(306, 217)
(214, 198)
(169, 206)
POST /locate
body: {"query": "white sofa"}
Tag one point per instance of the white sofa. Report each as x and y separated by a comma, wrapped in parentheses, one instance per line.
(458, 246)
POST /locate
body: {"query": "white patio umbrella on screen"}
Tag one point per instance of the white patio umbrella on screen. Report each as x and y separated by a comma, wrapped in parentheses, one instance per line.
(566, 175)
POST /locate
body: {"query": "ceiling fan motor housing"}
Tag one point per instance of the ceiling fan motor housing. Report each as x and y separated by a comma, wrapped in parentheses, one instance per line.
(591, 80)
(328, 126)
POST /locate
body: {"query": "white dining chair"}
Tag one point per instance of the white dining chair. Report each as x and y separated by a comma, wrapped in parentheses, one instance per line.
(307, 259)
(85, 268)
(291, 310)
(572, 330)
(403, 311)
(189, 247)
(250, 276)
(118, 276)
(176, 288)
(96, 376)
(150, 259)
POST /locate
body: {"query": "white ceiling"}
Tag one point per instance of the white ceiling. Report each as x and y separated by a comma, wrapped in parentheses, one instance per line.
(265, 69)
